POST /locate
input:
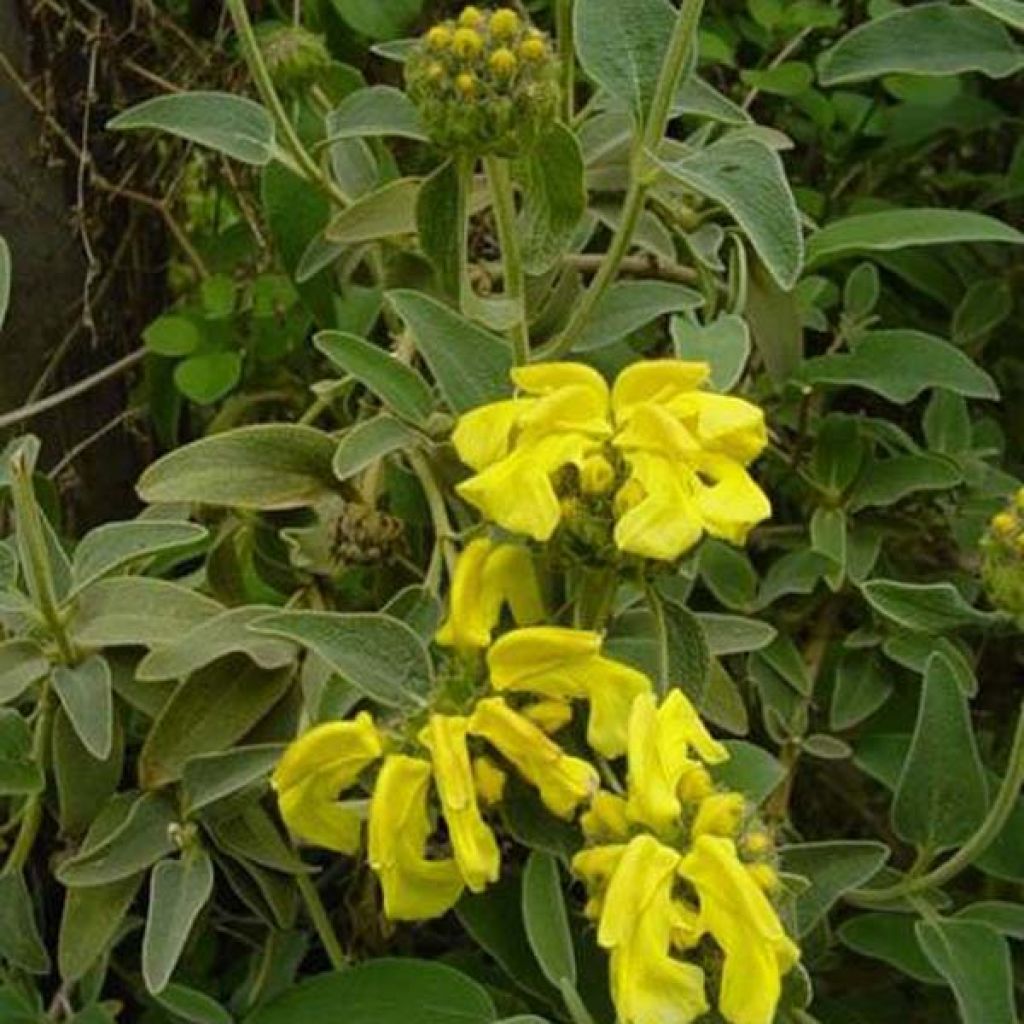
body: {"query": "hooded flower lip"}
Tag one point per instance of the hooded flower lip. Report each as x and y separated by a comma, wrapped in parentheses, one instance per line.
(563, 782)
(414, 887)
(487, 577)
(475, 848)
(685, 453)
(739, 917)
(638, 916)
(314, 770)
(552, 661)
(661, 740)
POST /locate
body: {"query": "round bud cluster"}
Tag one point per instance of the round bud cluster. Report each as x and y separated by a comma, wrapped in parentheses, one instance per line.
(294, 56)
(485, 82)
(1002, 559)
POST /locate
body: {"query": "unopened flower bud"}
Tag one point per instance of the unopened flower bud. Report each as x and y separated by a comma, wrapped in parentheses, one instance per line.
(1002, 559)
(293, 55)
(504, 23)
(466, 43)
(502, 62)
(470, 17)
(596, 475)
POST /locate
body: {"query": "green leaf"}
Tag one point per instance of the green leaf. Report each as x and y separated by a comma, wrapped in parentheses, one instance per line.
(208, 778)
(621, 45)
(22, 663)
(790, 78)
(728, 574)
(554, 198)
(986, 304)
(387, 211)
(86, 694)
(20, 942)
(210, 711)
(112, 546)
(699, 99)
(375, 20)
(383, 991)
(84, 784)
(947, 424)
(232, 125)
(225, 633)
(914, 650)
(137, 611)
(748, 179)
(440, 224)
(370, 441)
(90, 922)
(139, 839)
(750, 770)
(861, 689)
(891, 939)
(629, 305)
(20, 775)
(929, 39)
(923, 607)
(899, 365)
(888, 230)
(833, 868)
(1005, 918)
(178, 891)
(829, 537)
(272, 466)
(379, 655)
(1010, 11)
(5, 279)
(375, 111)
(546, 920)
(775, 323)
(684, 657)
(207, 378)
(172, 335)
(724, 344)
(934, 807)
(975, 961)
(494, 921)
(191, 1005)
(397, 385)
(887, 481)
(471, 365)
(734, 634)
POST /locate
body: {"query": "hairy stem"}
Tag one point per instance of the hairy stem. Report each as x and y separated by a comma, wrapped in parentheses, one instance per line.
(321, 922)
(679, 47)
(504, 204)
(998, 814)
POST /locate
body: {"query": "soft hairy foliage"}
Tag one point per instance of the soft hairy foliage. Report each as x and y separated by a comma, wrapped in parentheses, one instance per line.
(587, 583)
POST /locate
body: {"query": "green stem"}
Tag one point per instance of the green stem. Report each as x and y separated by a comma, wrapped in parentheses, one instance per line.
(999, 813)
(683, 35)
(36, 555)
(32, 815)
(321, 922)
(567, 54)
(504, 204)
(307, 166)
(443, 533)
(464, 164)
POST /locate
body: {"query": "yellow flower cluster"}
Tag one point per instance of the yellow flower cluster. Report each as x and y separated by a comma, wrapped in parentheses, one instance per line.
(669, 862)
(671, 456)
(1002, 558)
(670, 865)
(487, 81)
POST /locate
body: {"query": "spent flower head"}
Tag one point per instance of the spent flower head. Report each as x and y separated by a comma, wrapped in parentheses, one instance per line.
(485, 82)
(293, 55)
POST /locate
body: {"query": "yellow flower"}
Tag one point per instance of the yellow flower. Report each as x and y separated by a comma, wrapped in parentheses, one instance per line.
(738, 915)
(606, 819)
(563, 782)
(470, 17)
(465, 83)
(473, 843)
(502, 62)
(439, 37)
(686, 451)
(487, 577)
(719, 814)
(550, 715)
(532, 49)
(596, 867)
(504, 23)
(637, 921)
(551, 661)
(466, 42)
(414, 888)
(489, 780)
(312, 773)
(660, 742)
